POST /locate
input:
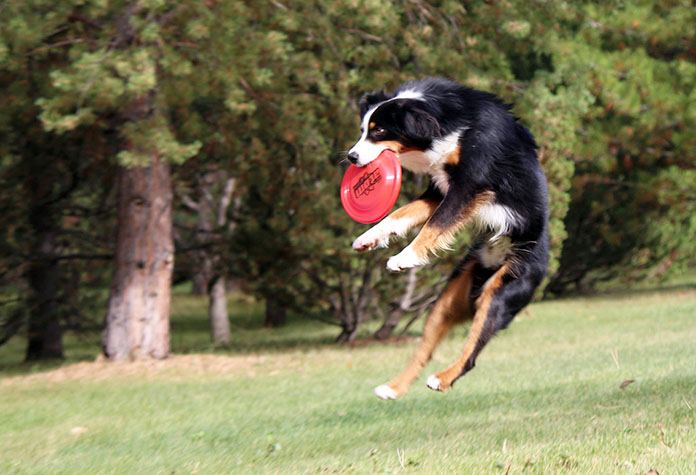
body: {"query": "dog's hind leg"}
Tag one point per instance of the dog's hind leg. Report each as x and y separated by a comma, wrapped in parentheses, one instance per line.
(451, 307)
(502, 296)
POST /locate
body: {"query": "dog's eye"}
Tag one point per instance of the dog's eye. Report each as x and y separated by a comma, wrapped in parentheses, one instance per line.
(378, 131)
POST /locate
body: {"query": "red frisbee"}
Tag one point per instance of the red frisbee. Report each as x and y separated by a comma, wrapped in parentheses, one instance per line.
(368, 193)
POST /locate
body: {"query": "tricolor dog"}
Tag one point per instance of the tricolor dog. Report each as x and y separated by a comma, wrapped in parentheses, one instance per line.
(484, 173)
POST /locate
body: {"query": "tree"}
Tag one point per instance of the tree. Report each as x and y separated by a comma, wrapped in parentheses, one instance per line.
(48, 191)
(104, 102)
(213, 189)
(120, 60)
(299, 107)
(633, 207)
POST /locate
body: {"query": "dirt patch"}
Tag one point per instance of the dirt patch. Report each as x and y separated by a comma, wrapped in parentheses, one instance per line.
(202, 365)
(176, 366)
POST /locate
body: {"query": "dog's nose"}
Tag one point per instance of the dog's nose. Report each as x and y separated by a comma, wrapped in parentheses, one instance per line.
(353, 157)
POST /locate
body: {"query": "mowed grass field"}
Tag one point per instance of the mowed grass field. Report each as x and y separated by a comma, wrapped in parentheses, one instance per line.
(545, 397)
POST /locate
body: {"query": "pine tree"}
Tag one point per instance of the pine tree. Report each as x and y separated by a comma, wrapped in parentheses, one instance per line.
(48, 192)
(632, 210)
(293, 233)
(119, 62)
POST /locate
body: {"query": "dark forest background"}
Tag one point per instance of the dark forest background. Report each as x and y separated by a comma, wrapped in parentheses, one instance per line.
(147, 144)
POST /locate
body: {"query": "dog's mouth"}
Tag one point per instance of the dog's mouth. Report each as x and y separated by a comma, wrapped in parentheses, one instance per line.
(393, 145)
(358, 154)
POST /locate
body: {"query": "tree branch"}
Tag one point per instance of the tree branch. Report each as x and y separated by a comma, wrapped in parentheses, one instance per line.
(189, 203)
(225, 201)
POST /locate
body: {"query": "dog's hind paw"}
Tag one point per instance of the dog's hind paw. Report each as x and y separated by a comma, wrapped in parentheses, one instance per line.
(384, 391)
(434, 383)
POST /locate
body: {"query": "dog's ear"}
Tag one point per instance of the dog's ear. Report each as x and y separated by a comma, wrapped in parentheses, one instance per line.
(420, 125)
(372, 98)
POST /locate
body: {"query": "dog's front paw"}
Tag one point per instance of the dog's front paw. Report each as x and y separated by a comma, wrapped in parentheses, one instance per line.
(370, 240)
(404, 260)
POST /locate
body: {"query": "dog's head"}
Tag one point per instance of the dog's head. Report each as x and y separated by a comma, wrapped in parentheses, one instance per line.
(401, 123)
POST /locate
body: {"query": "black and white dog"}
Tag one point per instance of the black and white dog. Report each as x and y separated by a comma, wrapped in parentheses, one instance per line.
(485, 173)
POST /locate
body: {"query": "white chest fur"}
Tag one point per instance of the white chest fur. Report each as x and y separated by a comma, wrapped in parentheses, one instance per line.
(432, 161)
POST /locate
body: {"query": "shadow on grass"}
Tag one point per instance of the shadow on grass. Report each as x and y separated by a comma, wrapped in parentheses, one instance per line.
(619, 293)
(190, 331)
(12, 362)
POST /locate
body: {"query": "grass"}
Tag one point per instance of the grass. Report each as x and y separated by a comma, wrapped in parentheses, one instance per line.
(545, 397)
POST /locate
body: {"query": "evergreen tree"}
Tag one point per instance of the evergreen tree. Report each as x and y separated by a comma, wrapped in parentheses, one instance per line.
(293, 235)
(51, 194)
(118, 59)
(633, 207)
(102, 99)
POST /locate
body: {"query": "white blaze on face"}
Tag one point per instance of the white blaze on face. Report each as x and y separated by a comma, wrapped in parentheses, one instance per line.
(366, 149)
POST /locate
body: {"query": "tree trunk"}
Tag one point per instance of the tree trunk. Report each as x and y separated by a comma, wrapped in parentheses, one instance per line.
(347, 334)
(210, 221)
(45, 336)
(203, 274)
(354, 303)
(389, 324)
(217, 310)
(137, 320)
(200, 281)
(398, 309)
(276, 314)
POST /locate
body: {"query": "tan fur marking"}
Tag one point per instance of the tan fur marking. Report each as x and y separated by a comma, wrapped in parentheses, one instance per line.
(432, 239)
(452, 307)
(453, 157)
(401, 222)
(395, 146)
(371, 125)
(483, 303)
(417, 211)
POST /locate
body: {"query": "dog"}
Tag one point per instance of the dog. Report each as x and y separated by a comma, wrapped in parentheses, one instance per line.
(484, 173)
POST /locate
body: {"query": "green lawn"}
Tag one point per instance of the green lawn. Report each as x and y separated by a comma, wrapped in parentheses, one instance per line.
(544, 398)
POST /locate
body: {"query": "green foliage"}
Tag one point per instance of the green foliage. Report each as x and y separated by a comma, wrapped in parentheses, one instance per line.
(592, 82)
(49, 188)
(633, 201)
(118, 59)
(80, 82)
(151, 137)
(267, 91)
(293, 239)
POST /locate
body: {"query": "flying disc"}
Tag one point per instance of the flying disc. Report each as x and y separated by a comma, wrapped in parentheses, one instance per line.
(368, 193)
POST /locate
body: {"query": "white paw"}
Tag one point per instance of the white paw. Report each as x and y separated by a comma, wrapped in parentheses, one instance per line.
(433, 382)
(383, 391)
(404, 260)
(371, 239)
